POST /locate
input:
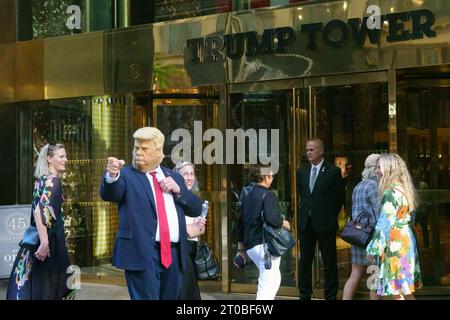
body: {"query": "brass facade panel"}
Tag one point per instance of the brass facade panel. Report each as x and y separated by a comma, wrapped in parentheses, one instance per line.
(347, 79)
(157, 56)
(74, 67)
(29, 74)
(298, 61)
(7, 64)
(129, 60)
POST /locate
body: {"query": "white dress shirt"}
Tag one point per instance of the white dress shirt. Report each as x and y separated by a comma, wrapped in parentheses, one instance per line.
(171, 211)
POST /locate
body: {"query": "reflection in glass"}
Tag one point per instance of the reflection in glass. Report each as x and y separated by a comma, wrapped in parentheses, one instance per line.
(195, 116)
(260, 110)
(91, 130)
(424, 142)
(39, 19)
(352, 122)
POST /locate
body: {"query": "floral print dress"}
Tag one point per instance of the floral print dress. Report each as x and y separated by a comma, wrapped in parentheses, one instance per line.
(32, 279)
(393, 241)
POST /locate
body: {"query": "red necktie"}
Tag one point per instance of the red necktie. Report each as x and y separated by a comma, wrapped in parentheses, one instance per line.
(164, 234)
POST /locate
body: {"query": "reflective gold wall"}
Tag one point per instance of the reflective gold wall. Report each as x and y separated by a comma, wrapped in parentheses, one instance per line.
(154, 56)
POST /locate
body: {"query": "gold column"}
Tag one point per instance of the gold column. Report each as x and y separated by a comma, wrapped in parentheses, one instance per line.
(123, 13)
(392, 110)
(221, 184)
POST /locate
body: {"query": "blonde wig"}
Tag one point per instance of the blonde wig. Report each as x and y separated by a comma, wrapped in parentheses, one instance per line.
(395, 172)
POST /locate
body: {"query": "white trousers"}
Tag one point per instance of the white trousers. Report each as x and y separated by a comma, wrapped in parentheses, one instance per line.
(269, 280)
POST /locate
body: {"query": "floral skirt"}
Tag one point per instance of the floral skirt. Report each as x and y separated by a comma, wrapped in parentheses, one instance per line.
(32, 279)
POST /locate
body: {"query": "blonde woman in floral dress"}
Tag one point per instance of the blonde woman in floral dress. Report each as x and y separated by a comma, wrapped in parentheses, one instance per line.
(393, 240)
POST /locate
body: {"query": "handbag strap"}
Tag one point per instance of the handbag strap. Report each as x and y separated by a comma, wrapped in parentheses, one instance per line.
(361, 214)
(204, 251)
(263, 220)
(205, 258)
(370, 217)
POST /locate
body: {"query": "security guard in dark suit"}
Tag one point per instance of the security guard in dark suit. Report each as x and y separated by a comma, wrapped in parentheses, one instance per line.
(322, 194)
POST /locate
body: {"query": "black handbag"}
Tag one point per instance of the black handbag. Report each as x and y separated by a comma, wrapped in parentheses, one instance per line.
(206, 265)
(279, 240)
(359, 232)
(30, 237)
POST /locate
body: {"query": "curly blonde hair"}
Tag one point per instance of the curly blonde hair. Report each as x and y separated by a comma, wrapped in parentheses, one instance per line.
(395, 172)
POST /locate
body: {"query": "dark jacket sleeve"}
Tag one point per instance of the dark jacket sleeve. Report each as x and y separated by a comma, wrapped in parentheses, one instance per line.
(299, 182)
(272, 213)
(113, 192)
(240, 225)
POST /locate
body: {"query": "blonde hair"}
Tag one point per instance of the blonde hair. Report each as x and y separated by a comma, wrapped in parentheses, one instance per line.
(395, 172)
(49, 150)
(150, 134)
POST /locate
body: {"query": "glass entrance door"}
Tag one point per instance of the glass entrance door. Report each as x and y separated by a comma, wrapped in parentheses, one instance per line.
(350, 115)
(424, 141)
(183, 118)
(253, 111)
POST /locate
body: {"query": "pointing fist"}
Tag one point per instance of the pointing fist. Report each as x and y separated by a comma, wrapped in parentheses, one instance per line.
(114, 166)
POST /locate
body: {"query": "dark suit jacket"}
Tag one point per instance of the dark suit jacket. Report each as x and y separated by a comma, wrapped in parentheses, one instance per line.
(135, 242)
(324, 202)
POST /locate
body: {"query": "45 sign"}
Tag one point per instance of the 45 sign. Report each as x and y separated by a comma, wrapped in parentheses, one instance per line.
(13, 222)
(16, 224)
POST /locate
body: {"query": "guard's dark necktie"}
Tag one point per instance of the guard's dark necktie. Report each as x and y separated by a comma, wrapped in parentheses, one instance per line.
(164, 234)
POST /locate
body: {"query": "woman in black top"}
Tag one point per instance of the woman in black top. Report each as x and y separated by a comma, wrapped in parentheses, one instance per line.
(251, 228)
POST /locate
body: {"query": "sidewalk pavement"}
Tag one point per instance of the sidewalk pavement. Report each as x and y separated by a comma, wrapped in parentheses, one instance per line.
(94, 291)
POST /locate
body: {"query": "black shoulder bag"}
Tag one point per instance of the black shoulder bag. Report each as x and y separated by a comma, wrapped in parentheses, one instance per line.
(206, 265)
(278, 240)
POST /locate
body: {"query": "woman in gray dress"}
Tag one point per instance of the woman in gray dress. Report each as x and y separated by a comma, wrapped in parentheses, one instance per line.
(364, 199)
